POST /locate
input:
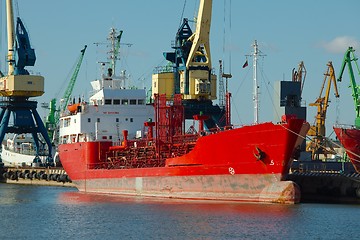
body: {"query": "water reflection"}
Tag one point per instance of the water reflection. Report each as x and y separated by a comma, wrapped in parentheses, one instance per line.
(204, 218)
(41, 212)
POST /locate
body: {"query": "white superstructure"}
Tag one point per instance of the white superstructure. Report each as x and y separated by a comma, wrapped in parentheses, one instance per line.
(109, 110)
(112, 107)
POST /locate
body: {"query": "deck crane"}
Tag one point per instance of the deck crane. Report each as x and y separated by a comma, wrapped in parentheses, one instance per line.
(319, 143)
(191, 74)
(54, 114)
(348, 58)
(18, 86)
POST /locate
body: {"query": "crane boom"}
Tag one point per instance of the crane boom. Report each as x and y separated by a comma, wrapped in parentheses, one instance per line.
(348, 58)
(322, 102)
(53, 117)
(319, 142)
(10, 34)
(200, 38)
(70, 87)
(300, 75)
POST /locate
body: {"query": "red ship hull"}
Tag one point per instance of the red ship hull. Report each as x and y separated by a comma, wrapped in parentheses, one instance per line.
(350, 139)
(244, 164)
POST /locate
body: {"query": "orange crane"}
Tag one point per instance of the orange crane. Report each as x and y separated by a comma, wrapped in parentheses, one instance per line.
(318, 143)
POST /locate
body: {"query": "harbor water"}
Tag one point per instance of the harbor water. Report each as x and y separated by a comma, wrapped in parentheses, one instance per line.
(45, 212)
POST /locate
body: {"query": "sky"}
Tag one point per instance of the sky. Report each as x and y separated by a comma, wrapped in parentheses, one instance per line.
(287, 32)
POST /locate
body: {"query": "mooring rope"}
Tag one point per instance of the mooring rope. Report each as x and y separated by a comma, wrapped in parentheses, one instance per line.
(337, 145)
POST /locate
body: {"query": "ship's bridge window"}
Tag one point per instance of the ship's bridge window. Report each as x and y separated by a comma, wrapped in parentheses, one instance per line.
(98, 119)
(141, 101)
(67, 122)
(116, 101)
(107, 101)
(132, 101)
(89, 119)
(124, 102)
(117, 120)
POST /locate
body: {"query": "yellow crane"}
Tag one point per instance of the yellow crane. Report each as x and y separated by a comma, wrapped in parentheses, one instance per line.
(191, 74)
(318, 143)
(189, 71)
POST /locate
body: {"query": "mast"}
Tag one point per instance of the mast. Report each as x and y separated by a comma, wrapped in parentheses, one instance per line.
(256, 87)
(255, 55)
(114, 47)
(112, 50)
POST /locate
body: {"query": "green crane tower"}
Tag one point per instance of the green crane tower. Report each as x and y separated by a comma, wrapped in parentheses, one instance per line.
(348, 58)
(52, 119)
